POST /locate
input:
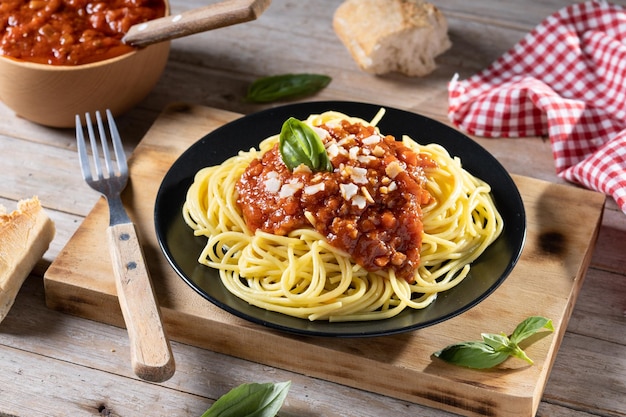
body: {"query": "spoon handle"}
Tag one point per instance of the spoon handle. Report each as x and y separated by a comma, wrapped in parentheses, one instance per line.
(214, 16)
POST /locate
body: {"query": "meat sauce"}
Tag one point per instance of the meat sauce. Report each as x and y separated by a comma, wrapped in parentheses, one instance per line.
(70, 32)
(369, 206)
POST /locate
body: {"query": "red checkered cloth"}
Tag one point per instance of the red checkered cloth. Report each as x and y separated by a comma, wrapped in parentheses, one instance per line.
(567, 80)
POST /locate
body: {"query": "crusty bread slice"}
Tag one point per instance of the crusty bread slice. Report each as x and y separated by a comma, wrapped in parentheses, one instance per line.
(392, 35)
(25, 235)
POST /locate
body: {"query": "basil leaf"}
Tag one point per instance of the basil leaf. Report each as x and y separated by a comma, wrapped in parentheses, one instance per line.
(529, 327)
(250, 400)
(299, 144)
(286, 86)
(478, 355)
(494, 348)
(496, 341)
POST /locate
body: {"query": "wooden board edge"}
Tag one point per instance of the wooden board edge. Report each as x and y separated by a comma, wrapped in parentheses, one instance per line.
(600, 200)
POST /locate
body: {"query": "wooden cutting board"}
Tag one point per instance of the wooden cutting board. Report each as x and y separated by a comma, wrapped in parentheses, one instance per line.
(546, 281)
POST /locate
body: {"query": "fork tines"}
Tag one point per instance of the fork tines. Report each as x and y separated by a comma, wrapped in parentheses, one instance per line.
(120, 157)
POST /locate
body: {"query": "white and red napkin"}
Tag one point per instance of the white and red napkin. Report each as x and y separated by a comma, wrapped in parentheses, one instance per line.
(566, 79)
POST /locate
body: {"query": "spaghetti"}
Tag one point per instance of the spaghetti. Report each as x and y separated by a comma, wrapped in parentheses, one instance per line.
(303, 273)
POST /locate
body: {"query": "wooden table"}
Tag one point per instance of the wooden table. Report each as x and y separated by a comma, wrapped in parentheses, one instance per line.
(56, 364)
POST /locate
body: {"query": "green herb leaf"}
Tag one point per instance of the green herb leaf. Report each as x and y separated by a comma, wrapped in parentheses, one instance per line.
(497, 341)
(517, 352)
(529, 327)
(494, 348)
(299, 144)
(286, 86)
(250, 400)
(478, 355)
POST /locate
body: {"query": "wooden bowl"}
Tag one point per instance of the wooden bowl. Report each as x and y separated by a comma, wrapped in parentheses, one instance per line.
(52, 95)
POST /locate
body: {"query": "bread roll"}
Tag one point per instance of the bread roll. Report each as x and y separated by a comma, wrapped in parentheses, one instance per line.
(25, 235)
(392, 35)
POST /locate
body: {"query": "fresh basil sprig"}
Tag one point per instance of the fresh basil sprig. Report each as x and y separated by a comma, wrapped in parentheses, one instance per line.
(250, 400)
(285, 86)
(299, 144)
(494, 348)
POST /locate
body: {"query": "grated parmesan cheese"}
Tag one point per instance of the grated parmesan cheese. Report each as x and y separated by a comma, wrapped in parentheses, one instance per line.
(333, 150)
(348, 190)
(365, 159)
(302, 169)
(289, 189)
(322, 133)
(393, 169)
(367, 194)
(378, 151)
(359, 175)
(272, 183)
(314, 189)
(359, 201)
(353, 152)
(371, 140)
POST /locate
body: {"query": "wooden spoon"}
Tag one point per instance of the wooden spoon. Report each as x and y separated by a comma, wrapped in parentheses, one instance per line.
(214, 16)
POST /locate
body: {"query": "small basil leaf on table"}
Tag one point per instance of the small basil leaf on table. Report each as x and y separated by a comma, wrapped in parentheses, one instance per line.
(299, 144)
(250, 400)
(286, 86)
(494, 348)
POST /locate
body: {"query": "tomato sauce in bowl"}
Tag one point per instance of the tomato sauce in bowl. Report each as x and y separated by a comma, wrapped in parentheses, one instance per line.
(71, 32)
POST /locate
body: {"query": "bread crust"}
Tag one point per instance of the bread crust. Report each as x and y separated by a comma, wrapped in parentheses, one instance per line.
(25, 235)
(392, 35)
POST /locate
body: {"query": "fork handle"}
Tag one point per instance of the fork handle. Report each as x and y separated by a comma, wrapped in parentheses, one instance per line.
(151, 354)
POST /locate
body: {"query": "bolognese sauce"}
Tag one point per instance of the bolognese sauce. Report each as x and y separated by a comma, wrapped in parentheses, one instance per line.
(369, 205)
(71, 32)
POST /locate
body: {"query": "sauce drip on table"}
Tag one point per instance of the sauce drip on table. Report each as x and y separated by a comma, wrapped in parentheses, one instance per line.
(369, 206)
(71, 32)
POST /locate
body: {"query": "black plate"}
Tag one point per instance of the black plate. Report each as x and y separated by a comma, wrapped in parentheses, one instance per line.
(182, 249)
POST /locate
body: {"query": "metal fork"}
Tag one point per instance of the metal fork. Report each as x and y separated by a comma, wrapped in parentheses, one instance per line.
(151, 354)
